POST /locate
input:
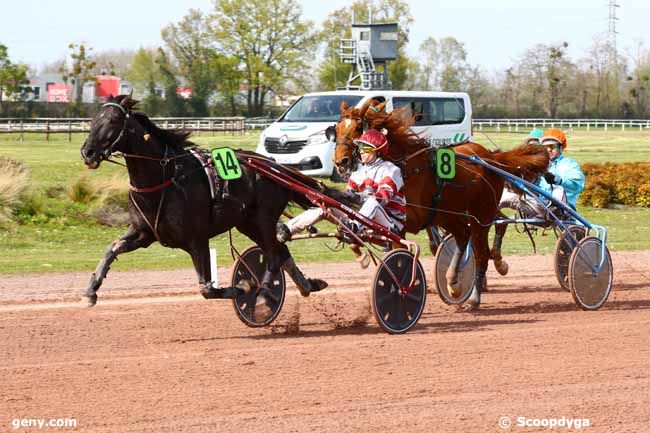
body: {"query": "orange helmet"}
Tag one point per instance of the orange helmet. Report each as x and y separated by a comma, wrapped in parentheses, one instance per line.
(555, 135)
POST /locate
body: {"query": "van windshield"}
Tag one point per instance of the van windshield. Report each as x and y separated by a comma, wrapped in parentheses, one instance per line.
(319, 108)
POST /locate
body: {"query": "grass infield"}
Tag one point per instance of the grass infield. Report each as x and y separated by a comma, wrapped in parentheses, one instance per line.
(66, 244)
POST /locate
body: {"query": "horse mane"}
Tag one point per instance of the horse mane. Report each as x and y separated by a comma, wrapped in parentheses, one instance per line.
(398, 123)
(174, 137)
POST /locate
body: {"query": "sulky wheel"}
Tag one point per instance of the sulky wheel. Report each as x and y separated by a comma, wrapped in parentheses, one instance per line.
(589, 285)
(251, 308)
(395, 312)
(563, 249)
(466, 272)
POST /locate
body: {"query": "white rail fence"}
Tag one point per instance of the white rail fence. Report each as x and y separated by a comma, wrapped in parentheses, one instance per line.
(238, 125)
(525, 125)
(69, 126)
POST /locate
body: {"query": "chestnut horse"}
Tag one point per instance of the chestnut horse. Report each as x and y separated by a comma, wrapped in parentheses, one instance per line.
(465, 206)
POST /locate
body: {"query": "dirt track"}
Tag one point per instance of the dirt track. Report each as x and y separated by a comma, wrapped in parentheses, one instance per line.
(154, 357)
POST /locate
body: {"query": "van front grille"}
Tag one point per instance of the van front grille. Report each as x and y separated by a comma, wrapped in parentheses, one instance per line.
(273, 145)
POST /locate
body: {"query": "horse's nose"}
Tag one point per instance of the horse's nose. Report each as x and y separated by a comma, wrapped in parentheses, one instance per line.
(87, 153)
(343, 165)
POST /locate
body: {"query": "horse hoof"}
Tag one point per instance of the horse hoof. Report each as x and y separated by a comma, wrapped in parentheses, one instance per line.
(304, 292)
(453, 289)
(246, 286)
(211, 293)
(364, 260)
(89, 301)
(317, 285)
(502, 267)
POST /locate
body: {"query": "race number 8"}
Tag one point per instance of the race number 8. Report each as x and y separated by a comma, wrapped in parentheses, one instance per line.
(226, 163)
(445, 164)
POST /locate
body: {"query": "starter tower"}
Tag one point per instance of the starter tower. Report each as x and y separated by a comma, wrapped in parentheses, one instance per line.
(371, 46)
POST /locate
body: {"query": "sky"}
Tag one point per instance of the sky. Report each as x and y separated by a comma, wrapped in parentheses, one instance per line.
(495, 32)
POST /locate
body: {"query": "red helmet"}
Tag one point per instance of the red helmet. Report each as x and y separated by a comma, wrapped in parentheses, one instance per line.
(374, 139)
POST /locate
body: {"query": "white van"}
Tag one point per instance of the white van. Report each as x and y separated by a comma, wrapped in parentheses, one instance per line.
(297, 138)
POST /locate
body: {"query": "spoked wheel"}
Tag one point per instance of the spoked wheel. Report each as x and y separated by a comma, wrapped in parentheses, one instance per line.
(251, 308)
(397, 313)
(589, 285)
(563, 249)
(466, 272)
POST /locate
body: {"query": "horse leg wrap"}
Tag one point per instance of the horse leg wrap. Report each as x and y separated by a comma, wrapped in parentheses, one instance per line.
(498, 240)
(481, 281)
(305, 285)
(98, 276)
(474, 300)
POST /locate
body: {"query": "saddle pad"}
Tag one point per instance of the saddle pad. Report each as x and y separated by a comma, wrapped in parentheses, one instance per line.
(209, 169)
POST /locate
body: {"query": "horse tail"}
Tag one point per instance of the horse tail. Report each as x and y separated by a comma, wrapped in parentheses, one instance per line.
(528, 161)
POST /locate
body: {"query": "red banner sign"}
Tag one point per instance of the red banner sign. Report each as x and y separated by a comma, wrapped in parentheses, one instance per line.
(59, 92)
(184, 92)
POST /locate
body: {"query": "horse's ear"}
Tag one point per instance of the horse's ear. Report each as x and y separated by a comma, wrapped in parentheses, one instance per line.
(381, 106)
(127, 102)
(344, 107)
(330, 133)
(364, 108)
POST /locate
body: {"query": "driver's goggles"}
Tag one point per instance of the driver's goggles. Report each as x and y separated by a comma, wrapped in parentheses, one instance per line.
(365, 148)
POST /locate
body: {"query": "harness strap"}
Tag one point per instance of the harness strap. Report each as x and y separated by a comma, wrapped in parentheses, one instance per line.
(153, 228)
(440, 185)
(155, 188)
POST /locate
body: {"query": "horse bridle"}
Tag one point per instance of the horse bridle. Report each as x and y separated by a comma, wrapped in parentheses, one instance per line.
(109, 150)
(349, 141)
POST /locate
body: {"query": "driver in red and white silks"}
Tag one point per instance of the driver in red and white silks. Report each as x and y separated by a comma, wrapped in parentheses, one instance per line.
(377, 183)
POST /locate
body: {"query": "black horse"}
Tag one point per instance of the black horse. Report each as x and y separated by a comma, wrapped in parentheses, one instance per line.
(170, 200)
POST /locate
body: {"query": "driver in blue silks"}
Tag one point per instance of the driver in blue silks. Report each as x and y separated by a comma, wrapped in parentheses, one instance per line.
(564, 179)
(564, 174)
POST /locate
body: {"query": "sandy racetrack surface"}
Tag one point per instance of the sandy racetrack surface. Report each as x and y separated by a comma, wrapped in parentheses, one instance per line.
(155, 357)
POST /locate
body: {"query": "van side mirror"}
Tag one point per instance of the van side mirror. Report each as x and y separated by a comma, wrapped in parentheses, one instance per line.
(330, 133)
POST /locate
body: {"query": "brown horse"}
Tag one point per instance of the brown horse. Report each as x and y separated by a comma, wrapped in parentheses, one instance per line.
(464, 206)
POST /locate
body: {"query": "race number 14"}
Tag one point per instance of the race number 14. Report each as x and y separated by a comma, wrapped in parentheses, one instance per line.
(225, 161)
(445, 163)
